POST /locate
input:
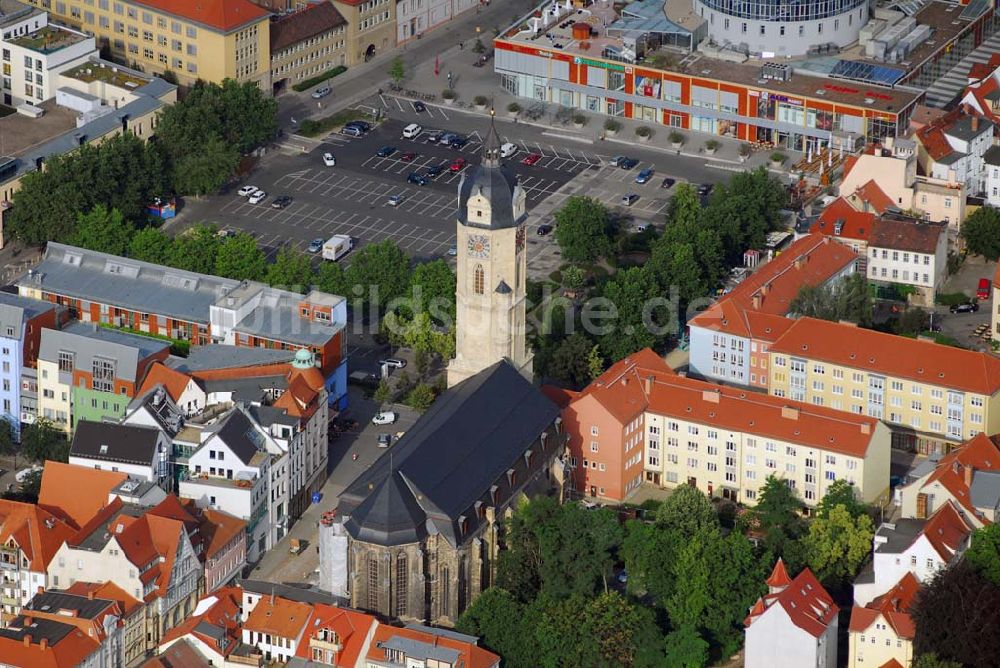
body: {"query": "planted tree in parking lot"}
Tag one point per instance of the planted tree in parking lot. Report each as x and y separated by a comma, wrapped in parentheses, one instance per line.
(397, 70)
(205, 171)
(150, 245)
(583, 229)
(239, 257)
(379, 273)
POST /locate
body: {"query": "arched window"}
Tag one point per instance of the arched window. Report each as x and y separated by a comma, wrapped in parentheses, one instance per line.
(402, 585)
(478, 280)
(373, 583)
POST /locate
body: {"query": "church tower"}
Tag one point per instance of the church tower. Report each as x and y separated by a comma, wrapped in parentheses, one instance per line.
(492, 268)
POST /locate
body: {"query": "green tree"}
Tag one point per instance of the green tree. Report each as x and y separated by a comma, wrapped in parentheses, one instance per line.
(577, 549)
(847, 299)
(204, 172)
(686, 648)
(595, 362)
(583, 229)
(195, 249)
(7, 445)
(519, 567)
(687, 511)
(103, 230)
(981, 232)
(330, 278)
(931, 660)
(40, 441)
(984, 552)
(570, 360)
(841, 493)
(239, 257)
(382, 392)
(291, 270)
(777, 515)
(150, 245)
(744, 210)
(573, 278)
(837, 544)
(432, 287)
(500, 621)
(636, 325)
(420, 397)
(648, 552)
(397, 70)
(379, 272)
(419, 333)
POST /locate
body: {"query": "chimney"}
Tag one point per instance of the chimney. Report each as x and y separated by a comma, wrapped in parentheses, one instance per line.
(801, 261)
(40, 590)
(44, 643)
(649, 384)
(90, 595)
(711, 396)
(968, 475)
(975, 123)
(764, 289)
(756, 302)
(27, 640)
(790, 412)
(28, 621)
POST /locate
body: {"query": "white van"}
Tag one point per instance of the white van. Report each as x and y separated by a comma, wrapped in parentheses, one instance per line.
(411, 131)
(508, 150)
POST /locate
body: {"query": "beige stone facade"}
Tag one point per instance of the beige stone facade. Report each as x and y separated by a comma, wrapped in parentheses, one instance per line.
(372, 27)
(306, 44)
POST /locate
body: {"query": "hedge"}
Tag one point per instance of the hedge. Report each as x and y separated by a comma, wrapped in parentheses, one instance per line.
(318, 79)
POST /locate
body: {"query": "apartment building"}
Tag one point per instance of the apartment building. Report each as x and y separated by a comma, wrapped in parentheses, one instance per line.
(882, 631)
(29, 539)
(86, 372)
(45, 642)
(951, 148)
(21, 323)
(31, 59)
(143, 453)
(100, 619)
(932, 396)
(372, 27)
(226, 39)
(415, 17)
(133, 621)
(847, 225)
(729, 340)
(306, 43)
(909, 252)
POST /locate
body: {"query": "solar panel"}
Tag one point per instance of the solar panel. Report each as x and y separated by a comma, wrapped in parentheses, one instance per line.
(974, 9)
(867, 72)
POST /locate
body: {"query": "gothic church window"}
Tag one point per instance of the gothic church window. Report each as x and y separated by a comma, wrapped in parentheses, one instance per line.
(478, 280)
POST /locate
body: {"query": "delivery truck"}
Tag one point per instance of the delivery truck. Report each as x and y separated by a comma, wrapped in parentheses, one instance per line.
(337, 247)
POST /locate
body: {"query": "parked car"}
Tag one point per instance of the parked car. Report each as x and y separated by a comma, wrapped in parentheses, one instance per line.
(644, 175)
(364, 125)
(418, 179)
(281, 202)
(321, 92)
(508, 150)
(258, 197)
(458, 141)
(629, 198)
(412, 130)
(385, 151)
(617, 160)
(315, 246)
(246, 191)
(329, 160)
(395, 200)
(436, 170)
(352, 131)
(668, 182)
(446, 137)
(544, 229)
(384, 440)
(457, 165)
(531, 159)
(984, 289)
(409, 156)
(385, 417)
(419, 107)
(628, 163)
(452, 251)
(393, 362)
(968, 307)
(433, 136)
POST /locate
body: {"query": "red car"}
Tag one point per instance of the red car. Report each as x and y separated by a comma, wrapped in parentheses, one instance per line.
(457, 164)
(531, 159)
(408, 156)
(983, 291)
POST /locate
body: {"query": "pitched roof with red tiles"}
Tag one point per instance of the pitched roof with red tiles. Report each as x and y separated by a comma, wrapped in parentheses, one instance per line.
(313, 20)
(893, 606)
(811, 260)
(220, 609)
(842, 220)
(71, 648)
(279, 616)
(106, 590)
(222, 15)
(767, 416)
(172, 380)
(892, 663)
(179, 655)
(562, 397)
(37, 532)
(872, 194)
(908, 234)
(932, 137)
(947, 530)
(924, 361)
(805, 601)
(304, 388)
(76, 492)
(471, 655)
(779, 575)
(621, 389)
(218, 529)
(350, 626)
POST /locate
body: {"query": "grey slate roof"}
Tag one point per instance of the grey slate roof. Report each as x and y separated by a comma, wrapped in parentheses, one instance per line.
(992, 155)
(422, 650)
(246, 390)
(111, 442)
(54, 600)
(473, 434)
(51, 631)
(985, 489)
(298, 593)
(218, 356)
(900, 537)
(237, 432)
(497, 184)
(87, 341)
(15, 310)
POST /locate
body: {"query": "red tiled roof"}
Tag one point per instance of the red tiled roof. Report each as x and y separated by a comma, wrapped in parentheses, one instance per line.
(179, 655)
(71, 651)
(893, 606)
(946, 530)
(621, 389)
(872, 194)
(471, 656)
(811, 260)
(352, 628)
(279, 616)
(106, 590)
(224, 15)
(915, 236)
(37, 532)
(314, 20)
(892, 663)
(76, 492)
(222, 612)
(851, 346)
(218, 529)
(174, 381)
(934, 141)
(805, 601)
(854, 224)
(779, 576)
(561, 397)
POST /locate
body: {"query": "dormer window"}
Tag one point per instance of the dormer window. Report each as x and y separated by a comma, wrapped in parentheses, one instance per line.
(511, 477)
(493, 494)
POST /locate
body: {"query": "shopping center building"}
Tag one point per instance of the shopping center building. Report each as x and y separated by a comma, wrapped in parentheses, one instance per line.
(794, 73)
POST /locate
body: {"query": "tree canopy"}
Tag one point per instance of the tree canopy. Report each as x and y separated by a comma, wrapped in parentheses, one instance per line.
(636, 322)
(984, 552)
(583, 229)
(841, 493)
(981, 232)
(687, 511)
(837, 544)
(849, 298)
(239, 257)
(41, 441)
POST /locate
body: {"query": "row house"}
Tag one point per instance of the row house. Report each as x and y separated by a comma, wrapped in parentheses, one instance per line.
(28, 641)
(21, 323)
(951, 148)
(133, 621)
(91, 372)
(882, 631)
(729, 340)
(908, 252)
(149, 298)
(101, 619)
(794, 624)
(847, 225)
(639, 420)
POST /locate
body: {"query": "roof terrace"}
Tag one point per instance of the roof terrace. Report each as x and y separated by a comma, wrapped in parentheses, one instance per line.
(48, 39)
(110, 74)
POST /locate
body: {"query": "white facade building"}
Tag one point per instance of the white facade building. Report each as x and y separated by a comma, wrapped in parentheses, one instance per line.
(415, 17)
(991, 167)
(31, 58)
(909, 252)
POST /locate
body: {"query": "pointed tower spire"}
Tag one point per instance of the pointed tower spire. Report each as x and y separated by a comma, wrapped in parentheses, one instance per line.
(491, 146)
(779, 578)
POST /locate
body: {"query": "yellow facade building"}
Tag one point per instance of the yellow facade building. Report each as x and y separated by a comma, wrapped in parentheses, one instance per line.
(372, 27)
(194, 39)
(932, 396)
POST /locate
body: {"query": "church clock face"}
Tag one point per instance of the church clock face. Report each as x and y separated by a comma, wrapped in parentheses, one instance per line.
(479, 246)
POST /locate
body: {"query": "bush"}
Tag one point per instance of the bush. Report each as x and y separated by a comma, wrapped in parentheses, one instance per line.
(319, 78)
(480, 101)
(514, 108)
(676, 137)
(420, 398)
(951, 298)
(643, 131)
(745, 150)
(448, 94)
(778, 157)
(313, 128)
(712, 145)
(611, 125)
(579, 119)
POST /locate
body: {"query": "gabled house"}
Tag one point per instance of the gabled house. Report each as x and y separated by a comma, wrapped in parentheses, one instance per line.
(417, 645)
(911, 252)
(142, 453)
(882, 631)
(182, 388)
(917, 547)
(277, 627)
(45, 643)
(951, 148)
(847, 225)
(794, 624)
(134, 615)
(76, 493)
(213, 629)
(101, 619)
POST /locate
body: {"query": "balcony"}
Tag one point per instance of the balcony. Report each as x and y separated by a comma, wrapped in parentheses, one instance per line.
(326, 645)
